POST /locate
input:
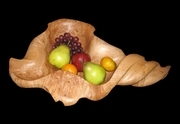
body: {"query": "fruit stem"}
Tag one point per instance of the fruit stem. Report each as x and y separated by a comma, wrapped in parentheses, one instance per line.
(68, 42)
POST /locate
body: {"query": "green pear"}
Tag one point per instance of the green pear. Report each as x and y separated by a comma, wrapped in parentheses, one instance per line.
(60, 56)
(94, 73)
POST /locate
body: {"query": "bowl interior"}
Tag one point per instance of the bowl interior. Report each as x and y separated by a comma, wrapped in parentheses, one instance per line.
(35, 64)
(94, 46)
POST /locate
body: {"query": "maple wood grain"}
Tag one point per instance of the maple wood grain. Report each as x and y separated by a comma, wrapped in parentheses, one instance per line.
(34, 70)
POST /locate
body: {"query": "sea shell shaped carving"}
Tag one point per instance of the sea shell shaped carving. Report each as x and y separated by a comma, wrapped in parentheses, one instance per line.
(34, 70)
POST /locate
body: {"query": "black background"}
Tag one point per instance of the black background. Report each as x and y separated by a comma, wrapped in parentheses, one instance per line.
(148, 29)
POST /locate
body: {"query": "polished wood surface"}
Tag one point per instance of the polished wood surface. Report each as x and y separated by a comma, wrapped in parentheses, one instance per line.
(34, 70)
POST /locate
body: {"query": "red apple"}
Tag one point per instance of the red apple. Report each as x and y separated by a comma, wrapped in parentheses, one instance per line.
(79, 59)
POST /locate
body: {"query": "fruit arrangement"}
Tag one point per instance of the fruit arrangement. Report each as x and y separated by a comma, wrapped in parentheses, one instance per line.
(35, 71)
(68, 55)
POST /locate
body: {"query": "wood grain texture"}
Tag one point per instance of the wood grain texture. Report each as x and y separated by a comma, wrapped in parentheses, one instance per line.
(34, 70)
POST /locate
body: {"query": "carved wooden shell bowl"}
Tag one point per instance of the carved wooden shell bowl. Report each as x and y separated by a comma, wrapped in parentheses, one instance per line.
(34, 70)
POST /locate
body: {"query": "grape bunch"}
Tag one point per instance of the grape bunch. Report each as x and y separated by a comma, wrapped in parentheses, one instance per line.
(71, 41)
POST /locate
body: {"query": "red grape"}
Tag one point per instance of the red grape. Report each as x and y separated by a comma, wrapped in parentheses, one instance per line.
(57, 40)
(76, 39)
(61, 37)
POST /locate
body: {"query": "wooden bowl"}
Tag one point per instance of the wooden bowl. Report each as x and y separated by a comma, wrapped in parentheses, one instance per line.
(34, 70)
